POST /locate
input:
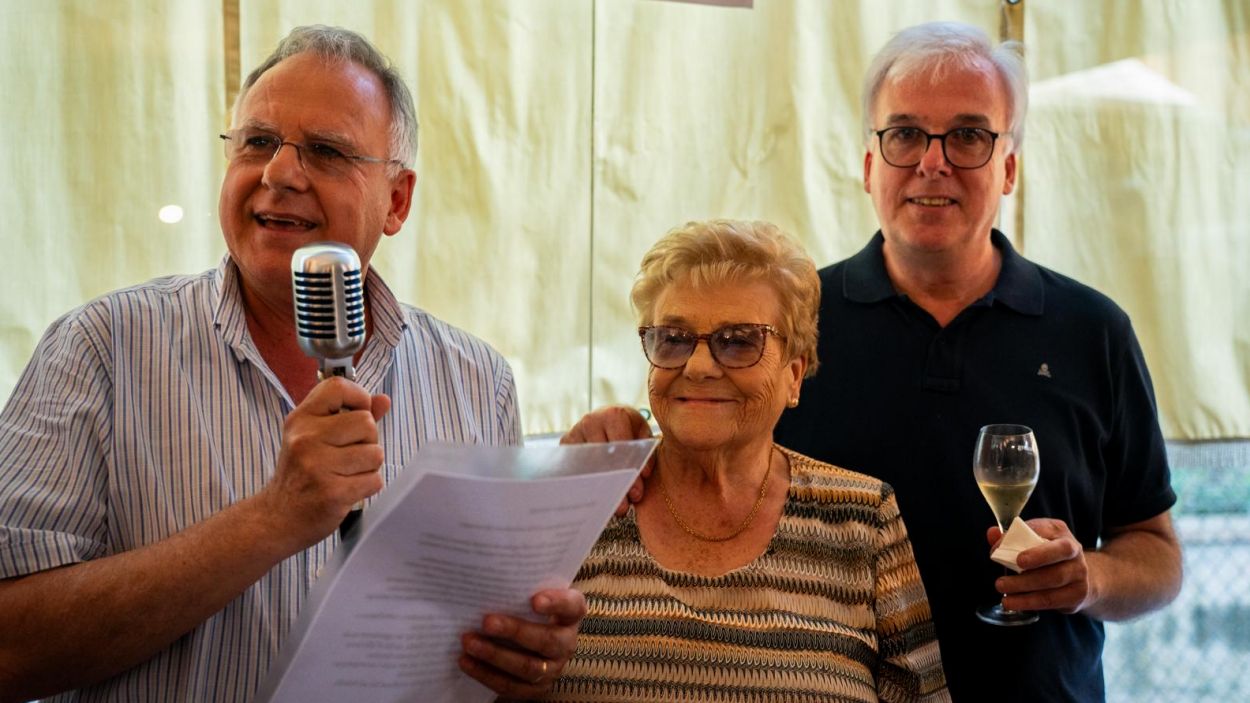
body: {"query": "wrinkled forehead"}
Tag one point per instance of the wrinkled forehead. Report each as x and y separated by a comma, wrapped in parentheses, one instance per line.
(307, 93)
(710, 303)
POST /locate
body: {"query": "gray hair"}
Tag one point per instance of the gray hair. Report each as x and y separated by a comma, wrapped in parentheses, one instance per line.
(335, 44)
(936, 47)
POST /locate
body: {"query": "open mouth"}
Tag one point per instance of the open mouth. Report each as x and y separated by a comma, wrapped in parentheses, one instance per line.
(932, 202)
(284, 222)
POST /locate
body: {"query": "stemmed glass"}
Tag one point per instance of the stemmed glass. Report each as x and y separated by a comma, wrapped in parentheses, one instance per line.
(1006, 465)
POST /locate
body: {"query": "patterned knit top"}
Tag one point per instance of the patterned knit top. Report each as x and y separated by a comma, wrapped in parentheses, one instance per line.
(833, 610)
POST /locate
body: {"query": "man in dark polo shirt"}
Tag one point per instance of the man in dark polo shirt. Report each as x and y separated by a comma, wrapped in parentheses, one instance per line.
(938, 327)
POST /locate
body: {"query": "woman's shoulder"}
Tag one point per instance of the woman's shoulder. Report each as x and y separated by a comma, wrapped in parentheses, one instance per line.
(829, 483)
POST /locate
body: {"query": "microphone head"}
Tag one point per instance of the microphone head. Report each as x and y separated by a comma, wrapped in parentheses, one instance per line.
(329, 304)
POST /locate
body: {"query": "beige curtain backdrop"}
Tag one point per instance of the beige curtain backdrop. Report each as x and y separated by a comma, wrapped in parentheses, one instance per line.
(560, 138)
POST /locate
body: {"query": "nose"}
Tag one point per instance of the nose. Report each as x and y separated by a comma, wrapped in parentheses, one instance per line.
(701, 364)
(933, 161)
(285, 170)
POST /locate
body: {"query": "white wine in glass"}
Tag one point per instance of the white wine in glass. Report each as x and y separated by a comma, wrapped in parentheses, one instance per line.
(1005, 463)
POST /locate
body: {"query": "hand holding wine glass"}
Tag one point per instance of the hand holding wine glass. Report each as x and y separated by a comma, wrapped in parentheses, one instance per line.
(1005, 464)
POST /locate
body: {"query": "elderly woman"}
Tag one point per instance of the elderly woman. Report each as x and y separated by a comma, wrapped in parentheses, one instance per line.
(747, 572)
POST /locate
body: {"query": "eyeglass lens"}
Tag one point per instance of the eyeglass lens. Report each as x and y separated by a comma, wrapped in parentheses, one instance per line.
(257, 147)
(732, 346)
(966, 147)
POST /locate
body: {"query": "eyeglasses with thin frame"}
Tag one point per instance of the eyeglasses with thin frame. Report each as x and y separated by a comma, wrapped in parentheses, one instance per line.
(257, 147)
(736, 346)
(963, 147)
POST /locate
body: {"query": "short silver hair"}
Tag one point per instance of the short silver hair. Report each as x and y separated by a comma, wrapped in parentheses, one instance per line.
(936, 47)
(337, 44)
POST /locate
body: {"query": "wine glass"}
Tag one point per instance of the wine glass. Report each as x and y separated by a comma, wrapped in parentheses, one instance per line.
(1005, 464)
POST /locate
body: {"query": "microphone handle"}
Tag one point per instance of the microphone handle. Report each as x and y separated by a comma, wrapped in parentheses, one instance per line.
(350, 520)
(353, 515)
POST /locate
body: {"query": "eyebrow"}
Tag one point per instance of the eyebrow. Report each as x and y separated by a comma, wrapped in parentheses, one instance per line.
(965, 119)
(678, 321)
(336, 138)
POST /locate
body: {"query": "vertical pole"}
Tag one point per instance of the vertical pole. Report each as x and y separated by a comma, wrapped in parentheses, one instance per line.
(230, 44)
(1011, 28)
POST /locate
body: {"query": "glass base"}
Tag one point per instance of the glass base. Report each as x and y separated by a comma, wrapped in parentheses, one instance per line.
(998, 615)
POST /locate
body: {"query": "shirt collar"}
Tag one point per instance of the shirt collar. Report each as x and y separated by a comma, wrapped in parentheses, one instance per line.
(1019, 284)
(228, 315)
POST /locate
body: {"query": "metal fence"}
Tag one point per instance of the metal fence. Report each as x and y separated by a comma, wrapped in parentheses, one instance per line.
(1198, 648)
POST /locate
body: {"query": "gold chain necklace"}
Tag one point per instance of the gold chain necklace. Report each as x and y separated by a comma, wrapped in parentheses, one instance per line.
(668, 502)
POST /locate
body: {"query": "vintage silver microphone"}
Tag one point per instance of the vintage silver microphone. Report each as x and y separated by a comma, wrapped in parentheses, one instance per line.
(330, 315)
(329, 306)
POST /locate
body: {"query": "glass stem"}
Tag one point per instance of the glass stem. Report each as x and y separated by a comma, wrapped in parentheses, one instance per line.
(1003, 602)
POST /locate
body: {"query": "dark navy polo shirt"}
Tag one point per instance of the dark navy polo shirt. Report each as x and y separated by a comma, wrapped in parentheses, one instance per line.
(900, 398)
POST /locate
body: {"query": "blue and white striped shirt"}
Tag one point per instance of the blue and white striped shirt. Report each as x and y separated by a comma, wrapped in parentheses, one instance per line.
(149, 409)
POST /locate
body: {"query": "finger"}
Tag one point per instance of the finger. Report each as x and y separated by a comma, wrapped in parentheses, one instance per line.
(358, 460)
(543, 641)
(1046, 579)
(1065, 600)
(1049, 528)
(1053, 552)
(993, 535)
(381, 406)
(1015, 584)
(647, 469)
(636, 490)
(565, 606)
(519, 667)
(333, 394)
(615, 423)
(639, 426)
(341, 429)
(574, 435)
(503, 683)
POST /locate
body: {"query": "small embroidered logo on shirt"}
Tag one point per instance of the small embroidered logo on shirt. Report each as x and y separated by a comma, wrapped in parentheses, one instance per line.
(1044, 370)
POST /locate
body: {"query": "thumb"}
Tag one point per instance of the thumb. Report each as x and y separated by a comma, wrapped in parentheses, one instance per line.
(993, 536)
(380, 405)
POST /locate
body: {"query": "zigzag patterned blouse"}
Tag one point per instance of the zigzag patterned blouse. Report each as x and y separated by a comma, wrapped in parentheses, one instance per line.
(833, 610)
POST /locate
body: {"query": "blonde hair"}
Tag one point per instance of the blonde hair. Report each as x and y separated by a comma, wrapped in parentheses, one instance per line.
(715, 252)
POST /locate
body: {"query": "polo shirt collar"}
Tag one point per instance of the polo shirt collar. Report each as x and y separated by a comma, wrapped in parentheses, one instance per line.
(1019, 284)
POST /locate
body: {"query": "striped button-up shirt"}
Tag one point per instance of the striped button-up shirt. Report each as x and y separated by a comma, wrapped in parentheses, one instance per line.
(149, 409)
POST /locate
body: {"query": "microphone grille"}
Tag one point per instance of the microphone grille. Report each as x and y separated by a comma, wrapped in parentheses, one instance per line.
(329, 300)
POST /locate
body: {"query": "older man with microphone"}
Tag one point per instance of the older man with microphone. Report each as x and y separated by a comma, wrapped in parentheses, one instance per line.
(172, 472)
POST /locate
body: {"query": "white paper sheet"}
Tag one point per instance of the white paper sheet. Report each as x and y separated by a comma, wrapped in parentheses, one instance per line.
(464, 531)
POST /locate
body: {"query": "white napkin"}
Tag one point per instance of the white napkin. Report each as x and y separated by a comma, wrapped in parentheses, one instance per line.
(1019, 537)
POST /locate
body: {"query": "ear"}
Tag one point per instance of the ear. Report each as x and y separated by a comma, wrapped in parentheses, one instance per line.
(798, 367)
(1009, 174)
(868, 171)
(401, 201)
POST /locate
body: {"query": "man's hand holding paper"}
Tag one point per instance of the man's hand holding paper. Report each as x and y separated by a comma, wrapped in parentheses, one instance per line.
(461, 566)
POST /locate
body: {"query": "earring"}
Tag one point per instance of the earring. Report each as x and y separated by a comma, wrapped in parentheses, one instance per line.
(794, 403)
